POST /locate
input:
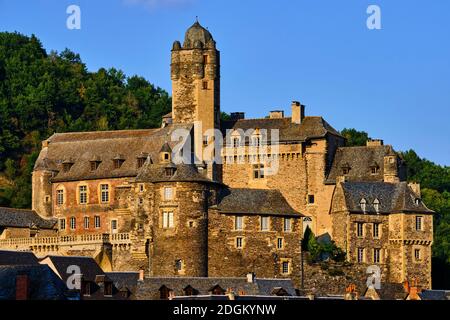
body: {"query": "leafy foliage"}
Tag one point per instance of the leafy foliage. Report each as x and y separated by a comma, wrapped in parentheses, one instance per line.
(42, 93)
(321, 250)
(355, 138)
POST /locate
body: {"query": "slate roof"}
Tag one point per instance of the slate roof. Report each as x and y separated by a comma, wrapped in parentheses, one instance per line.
(17, 258)
(82, 147)
(89, 268)
(23, 218)
(149, 288)
(255, 201)
(392, 197)
(183, 173)
(44, 284)
(360, 161)
(124, 280)
(311, 127)
(435, 295)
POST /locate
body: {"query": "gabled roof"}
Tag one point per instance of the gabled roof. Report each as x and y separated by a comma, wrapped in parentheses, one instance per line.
(360, 161)
(88, 267)
(17, 258)
(44, 284)
(255, 201)
(392, 197)
(82, 147)
(24, 218)
(311, 127)
(124, 280)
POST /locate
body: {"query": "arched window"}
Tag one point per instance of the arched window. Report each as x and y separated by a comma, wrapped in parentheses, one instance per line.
(217, 290)
(363, 203)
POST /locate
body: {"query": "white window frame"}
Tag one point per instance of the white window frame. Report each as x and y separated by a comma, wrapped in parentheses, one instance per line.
(360, 227)
(280, 243)
(168, 193)
(285, 267)
(83, 194)
(167, 220)
(73, 223)
(97, 222)
(239, 242)
(86, 222)
(376, 230)
(104, 193)
(60, 197)
(114, 226)
(62, 224)
(419, 223)
(238, 223)
(264, 224)
(360, 255)
(287, 225)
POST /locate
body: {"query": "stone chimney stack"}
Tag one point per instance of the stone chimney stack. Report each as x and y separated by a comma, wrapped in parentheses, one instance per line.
(374, 143)
(276, 114)
(298, 112)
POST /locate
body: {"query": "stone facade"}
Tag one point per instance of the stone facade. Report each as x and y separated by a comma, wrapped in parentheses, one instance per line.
(121, 196)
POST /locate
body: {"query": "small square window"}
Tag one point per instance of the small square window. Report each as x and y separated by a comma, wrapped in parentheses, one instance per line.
(168, 193)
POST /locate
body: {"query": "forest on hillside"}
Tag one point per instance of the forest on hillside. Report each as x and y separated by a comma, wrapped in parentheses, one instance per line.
(42, 93)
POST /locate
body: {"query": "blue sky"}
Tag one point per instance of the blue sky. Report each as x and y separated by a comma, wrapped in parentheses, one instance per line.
(393, 83)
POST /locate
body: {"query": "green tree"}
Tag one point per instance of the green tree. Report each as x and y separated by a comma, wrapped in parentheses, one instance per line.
(355, 138)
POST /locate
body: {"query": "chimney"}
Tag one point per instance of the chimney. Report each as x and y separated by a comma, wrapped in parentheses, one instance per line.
(141, 275)
(415, 187)
(237, 115)
(276, 114)
(251, 277)
(374, 143)
(298, 112)
(22, 287)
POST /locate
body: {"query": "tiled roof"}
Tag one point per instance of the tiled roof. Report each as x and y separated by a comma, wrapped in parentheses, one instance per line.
(149, 288)
(360, 161)
(392, 197)
(104, 146)
(255, 201)
(23, 218)
(311, 127)
(17, 258)
(124, 280)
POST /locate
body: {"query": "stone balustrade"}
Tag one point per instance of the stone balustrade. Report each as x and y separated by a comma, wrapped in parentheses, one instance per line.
(69, 240)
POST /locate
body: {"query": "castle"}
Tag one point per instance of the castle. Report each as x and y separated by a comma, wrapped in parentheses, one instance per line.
(121, 196)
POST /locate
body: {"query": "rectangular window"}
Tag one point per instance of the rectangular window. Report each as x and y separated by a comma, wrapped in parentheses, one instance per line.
(236, 142)
(287, 225)
(258, 171)
(178, 264)
(376, 255)
(104, 193)
(168, 193)
(417, 255)
(97, 222)
(86, 289)
(419, 224)
(94, 165)
(73, 223)
(360, 255)
(140, 162)
(167, 219)
(376, 230)
(239, 242)
(108, 289)
(238, 223)
(311, 199)
(360, 229)
(59, 197)
(280, 243)
(285, 267)
(264, 224)
(205, 141)
(205, 85)
(86, 222)
(62, 224)
(114, 226)
(82, 194)
(141, 188)
(256, 141)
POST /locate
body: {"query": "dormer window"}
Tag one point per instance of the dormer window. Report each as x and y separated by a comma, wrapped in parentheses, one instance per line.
(67, 164)
(345, 169)
(376, 205)
(363, 203)
(141, 161)
(374, 168)
(118, 161)
(170, 172)
(95, 165)
(417, 201)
